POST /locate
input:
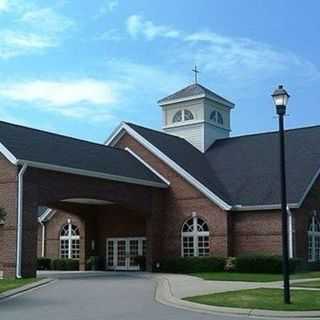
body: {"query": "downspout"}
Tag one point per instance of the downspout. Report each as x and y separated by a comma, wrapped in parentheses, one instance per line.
(19, 220)
(43, 236)
(290, 232)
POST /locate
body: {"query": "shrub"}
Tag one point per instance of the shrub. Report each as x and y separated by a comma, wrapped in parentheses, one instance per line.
(96, 263)
(65, 264)
(43, 263)
(192, 264)
(141, 262)
(263, 264)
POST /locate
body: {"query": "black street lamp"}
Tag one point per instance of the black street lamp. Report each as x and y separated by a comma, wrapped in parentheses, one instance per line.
(280, 98)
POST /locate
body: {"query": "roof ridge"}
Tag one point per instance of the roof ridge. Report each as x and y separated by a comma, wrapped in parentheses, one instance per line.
(157, 131)
(58, 134)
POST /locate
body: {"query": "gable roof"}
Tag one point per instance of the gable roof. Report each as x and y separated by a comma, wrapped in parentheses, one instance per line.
(48, 150)
(244, 171)
(194, 90)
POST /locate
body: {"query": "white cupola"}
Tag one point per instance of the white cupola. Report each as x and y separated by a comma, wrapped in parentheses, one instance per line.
(196, 114)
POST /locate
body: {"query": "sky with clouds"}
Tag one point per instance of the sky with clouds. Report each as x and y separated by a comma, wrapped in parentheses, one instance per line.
(81, 67)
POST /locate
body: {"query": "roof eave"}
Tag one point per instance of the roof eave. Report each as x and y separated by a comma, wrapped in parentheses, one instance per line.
(165, 102)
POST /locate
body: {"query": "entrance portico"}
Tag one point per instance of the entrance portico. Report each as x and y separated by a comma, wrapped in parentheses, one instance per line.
(127, 188)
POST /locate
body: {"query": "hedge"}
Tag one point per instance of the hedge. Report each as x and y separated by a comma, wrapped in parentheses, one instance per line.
(191, 264)
(263, 264)
(65, 264)
(44, 264)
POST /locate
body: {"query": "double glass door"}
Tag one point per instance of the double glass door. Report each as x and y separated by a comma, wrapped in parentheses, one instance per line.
(121, 253)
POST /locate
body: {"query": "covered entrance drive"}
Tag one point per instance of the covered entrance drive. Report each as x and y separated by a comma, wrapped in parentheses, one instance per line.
(43, 169)
(122, 253)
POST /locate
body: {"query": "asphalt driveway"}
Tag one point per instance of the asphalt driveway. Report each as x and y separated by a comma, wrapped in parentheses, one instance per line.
(101, 297)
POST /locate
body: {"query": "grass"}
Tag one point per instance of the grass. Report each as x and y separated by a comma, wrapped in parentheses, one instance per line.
(308, 284)
(252, 277)
(266, 299)
(8, 284)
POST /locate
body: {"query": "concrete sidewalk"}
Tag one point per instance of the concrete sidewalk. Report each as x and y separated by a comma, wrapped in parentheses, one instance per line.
(172, 288)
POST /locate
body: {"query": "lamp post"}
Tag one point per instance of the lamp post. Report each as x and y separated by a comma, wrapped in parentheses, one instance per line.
(280, 99)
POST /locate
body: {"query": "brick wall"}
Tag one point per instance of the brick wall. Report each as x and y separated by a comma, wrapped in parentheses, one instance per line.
(256, 232)
(181, 200)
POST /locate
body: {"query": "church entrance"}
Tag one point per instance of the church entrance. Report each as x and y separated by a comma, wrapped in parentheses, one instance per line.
(122, 253)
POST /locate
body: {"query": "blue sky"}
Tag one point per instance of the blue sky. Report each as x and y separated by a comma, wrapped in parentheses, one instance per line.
(80, 67)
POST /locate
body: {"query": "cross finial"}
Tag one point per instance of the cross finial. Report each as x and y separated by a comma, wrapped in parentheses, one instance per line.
(196, 71)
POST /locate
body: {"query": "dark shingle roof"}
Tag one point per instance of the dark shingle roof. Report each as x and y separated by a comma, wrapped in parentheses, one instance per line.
(245, 170)
(44, 147)
(249, 165)
(193, 90)
(186, 156)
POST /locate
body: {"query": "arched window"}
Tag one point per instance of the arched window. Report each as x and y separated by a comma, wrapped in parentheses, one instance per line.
(216, 116)
(314, 240)
(70, 242)
(177, 117)
(182, 115)
(195, 238)
(188, 115)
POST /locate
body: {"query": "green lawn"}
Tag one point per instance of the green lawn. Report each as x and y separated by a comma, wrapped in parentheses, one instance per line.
(252, 277)
(8, 284)
(267, 299)
(308, 284)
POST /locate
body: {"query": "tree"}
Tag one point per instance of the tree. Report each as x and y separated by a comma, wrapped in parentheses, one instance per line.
(3, 214)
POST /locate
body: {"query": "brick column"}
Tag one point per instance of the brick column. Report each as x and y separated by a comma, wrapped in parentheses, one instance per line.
(8, 201)
(29, 229)
(154, 234)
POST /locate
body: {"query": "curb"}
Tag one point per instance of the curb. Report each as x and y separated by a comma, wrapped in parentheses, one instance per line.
(27, 287)
(163, 295)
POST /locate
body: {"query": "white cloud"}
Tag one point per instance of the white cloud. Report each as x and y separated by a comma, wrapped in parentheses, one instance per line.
(242, 58)
(4, 5)
(107, 7)
(137, 25)
(49, 20)
(33, 30)
(76, 98)
(14, 43)
(224, 57)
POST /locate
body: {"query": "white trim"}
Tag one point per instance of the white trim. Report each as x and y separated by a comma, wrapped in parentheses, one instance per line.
(93, 174)
(19, 220)
(46, 215)
(199, 96)
(240, 207)
(148, 166)
(8, 154)
(171, 164)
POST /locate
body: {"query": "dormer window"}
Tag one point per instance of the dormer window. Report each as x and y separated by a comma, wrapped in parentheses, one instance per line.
(182, 115)
(216, 116)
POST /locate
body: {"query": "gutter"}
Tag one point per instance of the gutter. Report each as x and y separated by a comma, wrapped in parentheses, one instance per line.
(19, 220)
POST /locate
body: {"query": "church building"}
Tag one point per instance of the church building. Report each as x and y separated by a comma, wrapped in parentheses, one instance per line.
(188, 190)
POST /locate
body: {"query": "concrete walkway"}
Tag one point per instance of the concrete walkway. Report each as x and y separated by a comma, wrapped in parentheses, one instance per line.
(172, 288)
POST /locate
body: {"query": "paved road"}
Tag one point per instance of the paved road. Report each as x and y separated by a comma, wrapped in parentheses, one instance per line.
(109, 296)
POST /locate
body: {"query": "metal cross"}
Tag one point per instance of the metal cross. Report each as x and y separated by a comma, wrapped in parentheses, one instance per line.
(196, 71)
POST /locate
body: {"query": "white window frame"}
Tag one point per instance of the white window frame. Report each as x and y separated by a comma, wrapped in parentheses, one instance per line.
(314, 235)
(195, 234)
(182, 116)
(70, 237)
